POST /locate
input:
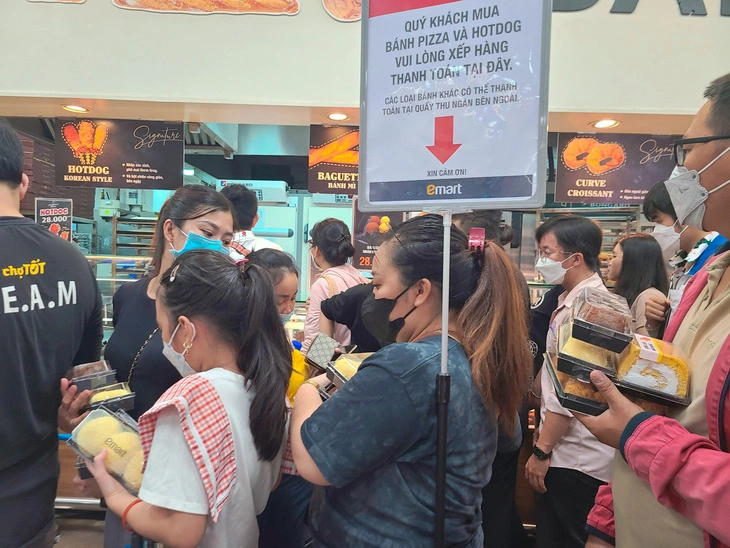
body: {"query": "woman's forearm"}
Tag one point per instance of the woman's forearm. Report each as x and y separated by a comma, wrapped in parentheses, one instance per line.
(307, 401)
(177, 529)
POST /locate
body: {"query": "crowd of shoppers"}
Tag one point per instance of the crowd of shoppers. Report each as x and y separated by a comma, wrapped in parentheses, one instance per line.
(242, 450)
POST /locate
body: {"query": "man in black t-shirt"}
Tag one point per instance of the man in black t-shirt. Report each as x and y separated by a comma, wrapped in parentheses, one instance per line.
(50, 319)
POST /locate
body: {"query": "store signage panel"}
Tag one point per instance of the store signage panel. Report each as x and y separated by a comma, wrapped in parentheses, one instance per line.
(334, 155)
(55, 214)
(686, 7)
(371, 229)
(120, 154)
(454, 110)
(617, 169)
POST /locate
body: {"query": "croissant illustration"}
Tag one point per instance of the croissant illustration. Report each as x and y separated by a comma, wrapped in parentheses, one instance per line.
(273, 7)
(85, 140)
(344, 10)
(576, 152)
(605, 157)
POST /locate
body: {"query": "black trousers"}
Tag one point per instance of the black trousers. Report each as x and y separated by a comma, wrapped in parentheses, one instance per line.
(501, 522)
(27, 495)
(561, 512)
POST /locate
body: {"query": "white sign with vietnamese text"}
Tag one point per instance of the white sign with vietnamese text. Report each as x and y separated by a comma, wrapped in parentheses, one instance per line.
(454, 104)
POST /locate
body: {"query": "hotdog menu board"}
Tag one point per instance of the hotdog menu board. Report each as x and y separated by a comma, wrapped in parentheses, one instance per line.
(120, 154)
(56, 214)
(616, 169)
(334, 157)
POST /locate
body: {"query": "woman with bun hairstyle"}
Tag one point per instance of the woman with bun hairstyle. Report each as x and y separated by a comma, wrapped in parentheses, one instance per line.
(331, 249)
(212, 443)
(373, 443)
(637, 268)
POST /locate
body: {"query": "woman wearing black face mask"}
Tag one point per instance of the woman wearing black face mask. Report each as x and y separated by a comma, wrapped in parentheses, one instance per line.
(374, 442)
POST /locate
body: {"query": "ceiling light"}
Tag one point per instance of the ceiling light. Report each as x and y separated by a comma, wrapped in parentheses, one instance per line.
(76, 108)
(188, 172)
(338, 117)
(605, 124)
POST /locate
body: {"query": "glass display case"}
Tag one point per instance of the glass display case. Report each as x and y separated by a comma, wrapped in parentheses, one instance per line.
(111, 272)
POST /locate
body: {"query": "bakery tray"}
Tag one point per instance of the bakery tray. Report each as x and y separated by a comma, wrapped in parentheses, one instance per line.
(571, 401)
(597, 335)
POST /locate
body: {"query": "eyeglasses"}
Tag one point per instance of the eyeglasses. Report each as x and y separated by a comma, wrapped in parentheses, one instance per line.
(679, 145)
(547, 254)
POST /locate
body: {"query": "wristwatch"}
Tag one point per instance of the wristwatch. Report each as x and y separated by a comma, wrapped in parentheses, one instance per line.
(540, 454)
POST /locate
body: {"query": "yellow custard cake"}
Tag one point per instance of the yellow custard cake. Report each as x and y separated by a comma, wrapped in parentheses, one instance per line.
(654, 364)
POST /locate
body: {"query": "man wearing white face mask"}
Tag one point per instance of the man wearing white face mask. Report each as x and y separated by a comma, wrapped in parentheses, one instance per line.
(671, 480)
(686, 248)
(568, 464)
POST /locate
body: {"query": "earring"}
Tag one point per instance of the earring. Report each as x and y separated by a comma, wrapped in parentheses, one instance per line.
(187, 347)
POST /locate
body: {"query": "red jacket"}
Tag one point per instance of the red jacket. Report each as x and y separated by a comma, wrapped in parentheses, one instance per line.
(688, 473)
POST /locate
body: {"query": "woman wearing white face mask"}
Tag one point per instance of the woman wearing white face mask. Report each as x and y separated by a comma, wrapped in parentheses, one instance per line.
(568, 464)
(686, 248)
(213, 442)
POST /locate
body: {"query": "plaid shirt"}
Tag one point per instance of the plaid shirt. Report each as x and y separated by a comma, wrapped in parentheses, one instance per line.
(202, 417)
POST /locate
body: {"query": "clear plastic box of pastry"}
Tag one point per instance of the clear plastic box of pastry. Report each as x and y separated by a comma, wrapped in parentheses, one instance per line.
(602, 319)
(578, 358)
(648, 369)
(654, 370)
(575, 393)
(89, 376)
(344, 368)
(117, 433)
(115, 397)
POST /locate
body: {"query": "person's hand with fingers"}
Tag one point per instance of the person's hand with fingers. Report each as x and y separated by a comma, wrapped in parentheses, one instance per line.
(69, 414)
(609, 425)
(535, 472)
(107, 484)
(87, 487)
(656, 309)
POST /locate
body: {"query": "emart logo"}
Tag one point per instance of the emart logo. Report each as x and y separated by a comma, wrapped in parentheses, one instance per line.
(439, 190)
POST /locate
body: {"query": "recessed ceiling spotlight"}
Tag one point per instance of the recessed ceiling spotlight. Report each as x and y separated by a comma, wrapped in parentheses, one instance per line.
(604, 124)
(76, 109)
(338, 117)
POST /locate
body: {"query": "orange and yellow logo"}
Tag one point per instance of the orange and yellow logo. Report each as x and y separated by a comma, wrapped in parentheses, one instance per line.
(85, 139)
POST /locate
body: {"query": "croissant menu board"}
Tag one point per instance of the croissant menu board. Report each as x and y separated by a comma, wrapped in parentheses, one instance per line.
(334, 156)
(617, 169)
(120, 154)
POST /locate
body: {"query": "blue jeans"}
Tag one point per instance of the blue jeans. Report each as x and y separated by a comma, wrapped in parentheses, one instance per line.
(283, 522)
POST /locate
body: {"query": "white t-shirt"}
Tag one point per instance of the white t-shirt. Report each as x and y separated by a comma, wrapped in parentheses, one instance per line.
(172, 480)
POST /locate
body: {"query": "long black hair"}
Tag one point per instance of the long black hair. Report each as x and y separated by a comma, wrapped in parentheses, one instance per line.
(334, 240)
(188, 202)
(276, 263)
(642, 267)
(486, 291)
(239, 304)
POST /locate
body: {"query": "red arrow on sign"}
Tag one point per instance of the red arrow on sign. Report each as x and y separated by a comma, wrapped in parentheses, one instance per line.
(444, 146)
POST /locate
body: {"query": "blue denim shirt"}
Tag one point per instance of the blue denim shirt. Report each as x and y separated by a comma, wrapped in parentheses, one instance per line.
(375, 443)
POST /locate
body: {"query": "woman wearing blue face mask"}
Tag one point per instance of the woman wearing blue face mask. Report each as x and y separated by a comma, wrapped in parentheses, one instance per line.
(283, 523)
(194, 215)
(213, 442)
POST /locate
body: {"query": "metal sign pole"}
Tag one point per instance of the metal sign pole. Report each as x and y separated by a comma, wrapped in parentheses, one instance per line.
(443, 389)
